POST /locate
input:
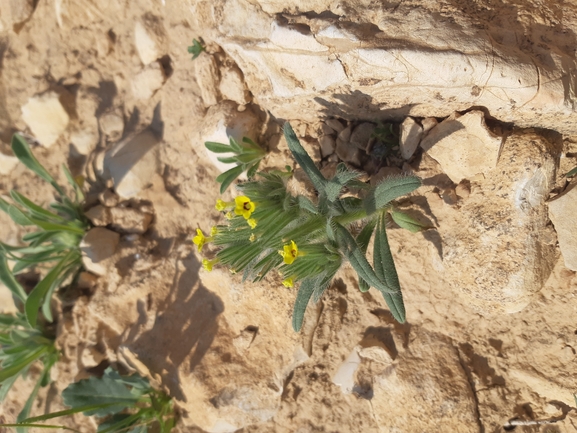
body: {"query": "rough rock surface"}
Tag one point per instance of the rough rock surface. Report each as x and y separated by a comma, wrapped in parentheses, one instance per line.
(506, 248)
(463, 146)
(45, 117)
(98, 246)
(405, 60)
(411, 134)
(562, 211)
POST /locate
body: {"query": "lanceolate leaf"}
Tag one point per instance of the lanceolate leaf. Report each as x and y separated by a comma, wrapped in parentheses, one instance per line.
(226, 178)
(407, 222)
(9, 281)
(218, 147)
(386, 271)
(304, 160)
(389, 189)
(39, 292)
(304, 295)
(22, 151)
(113, 395)
(363, 240)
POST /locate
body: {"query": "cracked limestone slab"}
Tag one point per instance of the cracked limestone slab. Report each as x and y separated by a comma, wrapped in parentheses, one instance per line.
(562, 211)
(405, 61)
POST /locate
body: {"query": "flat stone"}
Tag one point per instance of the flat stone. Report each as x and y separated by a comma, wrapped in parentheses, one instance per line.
(328, 145)
(46, 117)
(361, 135)
(129, 220)
(99, 215)
(112, 125)
(411, 133)
(148, 81)
(428, 123)
(463, 146)
(97, 246)
(562, 211)
(335, 125)
(131, 162)
(84, 141)
(145, 43)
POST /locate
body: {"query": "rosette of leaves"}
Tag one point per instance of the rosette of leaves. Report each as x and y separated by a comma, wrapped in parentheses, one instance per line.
(120, 404)
(20, 347)
(247, 156)
(52, 245)
(319, 234)
(196, 48)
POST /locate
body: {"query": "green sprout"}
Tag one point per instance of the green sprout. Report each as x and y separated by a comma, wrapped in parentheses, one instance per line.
(572, 173)
(308, 241)
(121, 404)
(386, 140)
(196, 48)
(54, 245)
(247, 156)
(20, 347)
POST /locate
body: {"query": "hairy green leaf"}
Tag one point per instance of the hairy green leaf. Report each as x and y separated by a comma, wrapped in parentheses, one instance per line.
(389, 189)
(218, 147)
(303, 296)
(304, 160)
(386, 271)
(9, 281)
(407, 222)
(226, 178)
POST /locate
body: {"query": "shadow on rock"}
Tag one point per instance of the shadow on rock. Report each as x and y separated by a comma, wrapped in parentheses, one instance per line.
(184, 329)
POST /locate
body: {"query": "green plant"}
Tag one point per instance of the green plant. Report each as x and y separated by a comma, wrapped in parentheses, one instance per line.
(21, 346)
(54, 245)
(309, 240)
(121, 404)
(247, 156)
(571, 173)
(386, 138)
(196, 48)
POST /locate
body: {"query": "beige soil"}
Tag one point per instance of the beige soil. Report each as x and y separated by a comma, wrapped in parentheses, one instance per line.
(199, 334)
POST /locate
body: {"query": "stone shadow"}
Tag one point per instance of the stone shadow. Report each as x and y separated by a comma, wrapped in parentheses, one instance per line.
(184, 329)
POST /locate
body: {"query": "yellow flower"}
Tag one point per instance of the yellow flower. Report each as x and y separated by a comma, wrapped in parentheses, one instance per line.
(251, 222)
(221, 205)
(244, 206)
(213, 231)
(199, 240)
(252, 237)
(288, 282)
(290, 253)
(208, 264)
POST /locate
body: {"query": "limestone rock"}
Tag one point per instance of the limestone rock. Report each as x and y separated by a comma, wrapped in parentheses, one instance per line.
(146, 46)
(441, 392)
(7, 163)
(84, 141)
(131, 163)
(428, 124)
(129, 220)
(98, 245)
(221, 122)
(98, 215)
(362, 134)
(500, 233)
(335, 125)
(232, 85)
(148, 81)
(45, 117)
(433, 68)
(411, 133)
(207, 77)
(108, 198)
(112, 125)
(562, 211)
(328, 145)
(463, 146)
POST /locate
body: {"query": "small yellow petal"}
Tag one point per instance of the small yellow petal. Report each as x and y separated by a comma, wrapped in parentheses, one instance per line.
(213, 231)
(288, 282)
(229, 215)
(252, 237)
(220, 205)
(199, 239)
(251, 222)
